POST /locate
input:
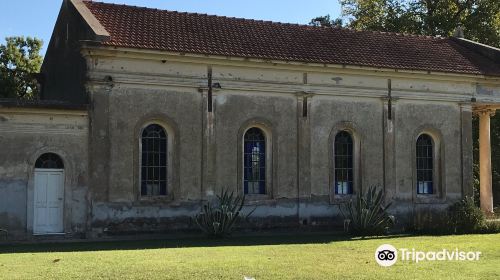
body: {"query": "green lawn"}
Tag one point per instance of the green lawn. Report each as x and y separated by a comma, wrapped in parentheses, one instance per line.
(280, 257)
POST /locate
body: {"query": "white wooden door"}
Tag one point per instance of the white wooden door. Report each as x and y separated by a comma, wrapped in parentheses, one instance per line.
(49, 201)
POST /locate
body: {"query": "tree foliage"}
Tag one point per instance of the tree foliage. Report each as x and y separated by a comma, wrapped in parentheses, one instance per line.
(326, 21)
(465, 217)
(480, 19)
(20, 60)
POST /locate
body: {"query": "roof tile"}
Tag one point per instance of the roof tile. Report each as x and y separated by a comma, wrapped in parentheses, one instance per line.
(136, 27)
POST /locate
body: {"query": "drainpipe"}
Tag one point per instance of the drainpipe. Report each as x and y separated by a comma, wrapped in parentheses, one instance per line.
(389, 95)
(209, 74)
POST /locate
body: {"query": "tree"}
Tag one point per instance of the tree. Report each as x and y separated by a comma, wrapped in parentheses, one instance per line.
(326, 21)
(480, 19)
(20, 61)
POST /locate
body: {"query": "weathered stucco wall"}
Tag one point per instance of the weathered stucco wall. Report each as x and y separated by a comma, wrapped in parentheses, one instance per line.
(300, 107)
(25, 134)
(63, 67)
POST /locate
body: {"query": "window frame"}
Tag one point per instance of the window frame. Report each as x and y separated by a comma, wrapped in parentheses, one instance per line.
(266, 130)
(160, 166)
(426, 190)
(356, 137)
(439, 192)
(171, 161)
(262, 180)
(58, 158)
(349, 168)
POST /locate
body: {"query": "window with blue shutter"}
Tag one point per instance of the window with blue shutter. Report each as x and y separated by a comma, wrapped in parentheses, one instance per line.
(254, 161)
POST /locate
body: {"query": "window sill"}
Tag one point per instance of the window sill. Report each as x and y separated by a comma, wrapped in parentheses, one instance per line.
(341, 198)
(256, 199)
(429, 199)
(167, 198)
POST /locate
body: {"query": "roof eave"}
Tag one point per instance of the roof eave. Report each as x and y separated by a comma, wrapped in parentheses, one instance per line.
(486, 50)
(41, 104)
(101, 34)
(92, 48)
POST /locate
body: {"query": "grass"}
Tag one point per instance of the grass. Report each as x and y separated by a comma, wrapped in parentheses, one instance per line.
(280, 257)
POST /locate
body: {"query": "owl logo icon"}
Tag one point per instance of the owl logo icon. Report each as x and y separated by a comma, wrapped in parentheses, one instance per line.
(386, 255)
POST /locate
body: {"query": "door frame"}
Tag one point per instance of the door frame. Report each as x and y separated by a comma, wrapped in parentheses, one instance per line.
(48, 170)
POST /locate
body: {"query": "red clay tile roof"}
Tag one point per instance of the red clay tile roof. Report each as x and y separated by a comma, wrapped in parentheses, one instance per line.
(135, 27)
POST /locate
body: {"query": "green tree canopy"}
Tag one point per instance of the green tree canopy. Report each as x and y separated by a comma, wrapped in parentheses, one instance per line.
(326, 21)
(20, 60)
(480, 19)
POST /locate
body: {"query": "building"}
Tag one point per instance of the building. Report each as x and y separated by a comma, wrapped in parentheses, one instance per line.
(146, 113)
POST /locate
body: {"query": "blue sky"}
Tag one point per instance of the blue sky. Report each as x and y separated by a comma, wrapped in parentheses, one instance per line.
(36, 18)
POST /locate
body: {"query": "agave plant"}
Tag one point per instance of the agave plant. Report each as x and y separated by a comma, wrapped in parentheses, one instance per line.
(367, 214)
(217, 219)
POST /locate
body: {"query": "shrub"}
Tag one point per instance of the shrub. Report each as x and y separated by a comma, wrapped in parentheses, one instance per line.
(496, 212)
(218, 218)
(367, 214)
(465, 217)
(492, 227)
(432, 222)
(462, 217)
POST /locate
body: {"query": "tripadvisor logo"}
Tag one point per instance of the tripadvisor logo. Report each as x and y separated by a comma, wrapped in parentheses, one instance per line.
(387, 255)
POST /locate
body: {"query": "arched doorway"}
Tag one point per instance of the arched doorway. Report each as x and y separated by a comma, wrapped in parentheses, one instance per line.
(48, 195)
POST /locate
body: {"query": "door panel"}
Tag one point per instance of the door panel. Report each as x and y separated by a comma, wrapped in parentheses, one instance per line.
(49, 201)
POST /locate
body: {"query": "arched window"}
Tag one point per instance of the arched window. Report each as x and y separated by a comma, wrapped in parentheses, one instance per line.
(343, 160)
(425, 164)
(49, 161)
(154, 161)
(254, 161)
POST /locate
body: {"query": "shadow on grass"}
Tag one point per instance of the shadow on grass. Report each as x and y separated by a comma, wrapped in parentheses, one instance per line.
(301, 238)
